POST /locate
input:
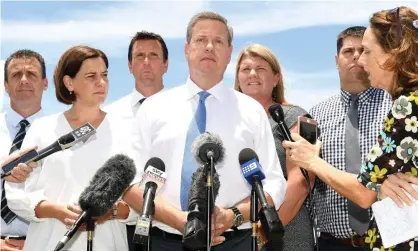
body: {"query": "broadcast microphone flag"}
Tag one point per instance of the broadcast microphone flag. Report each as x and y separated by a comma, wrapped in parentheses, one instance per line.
(152, 181)
(81, 134)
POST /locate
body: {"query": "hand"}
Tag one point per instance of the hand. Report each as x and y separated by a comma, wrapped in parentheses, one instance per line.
(224, 221)
(301, 151)
(22, 171)
(395, 186)
(11, 245)
(68, 215)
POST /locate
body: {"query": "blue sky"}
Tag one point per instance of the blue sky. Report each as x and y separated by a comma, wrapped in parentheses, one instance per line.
(301, 33)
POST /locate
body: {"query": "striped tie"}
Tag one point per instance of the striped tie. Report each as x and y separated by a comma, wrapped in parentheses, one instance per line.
(6, 214)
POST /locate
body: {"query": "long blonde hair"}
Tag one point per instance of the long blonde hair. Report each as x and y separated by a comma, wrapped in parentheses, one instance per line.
(258, 50)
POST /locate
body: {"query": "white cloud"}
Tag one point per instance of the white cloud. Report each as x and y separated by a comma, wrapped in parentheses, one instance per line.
(104, 25)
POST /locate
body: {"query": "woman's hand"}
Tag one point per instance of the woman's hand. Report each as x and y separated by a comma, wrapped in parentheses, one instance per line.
(396, 187)
(301, 151)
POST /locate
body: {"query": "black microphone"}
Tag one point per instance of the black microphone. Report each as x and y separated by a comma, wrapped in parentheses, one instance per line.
(66, 141)
(251, 169)
(206, 148)
(276, 112)
(152, 180)
(105, 188)
(195, 228)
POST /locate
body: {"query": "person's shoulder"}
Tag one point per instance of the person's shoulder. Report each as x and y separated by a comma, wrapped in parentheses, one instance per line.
(327, 104)
(118, 104)
(245, 100)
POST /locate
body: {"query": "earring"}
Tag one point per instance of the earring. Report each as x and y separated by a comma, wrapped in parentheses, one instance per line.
(71, 92)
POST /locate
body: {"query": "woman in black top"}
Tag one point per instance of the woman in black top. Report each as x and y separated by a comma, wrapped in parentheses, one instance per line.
(258, 75)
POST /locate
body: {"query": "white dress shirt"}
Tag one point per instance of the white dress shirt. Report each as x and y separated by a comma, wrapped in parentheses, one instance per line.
(160, 130)
(125, 107)
(9, 126)
(60, 178)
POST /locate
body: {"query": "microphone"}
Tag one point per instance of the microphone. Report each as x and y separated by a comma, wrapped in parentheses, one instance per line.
(276, 112)
(81, 134)
(105, 188)
(251, 169)
(195, 228)
(208, 151)
(206, 146)
(152, 180)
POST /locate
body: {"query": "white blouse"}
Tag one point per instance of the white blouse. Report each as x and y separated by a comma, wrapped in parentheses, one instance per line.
(60, 178)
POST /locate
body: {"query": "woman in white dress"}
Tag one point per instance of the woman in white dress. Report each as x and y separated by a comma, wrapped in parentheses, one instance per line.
(49, 199)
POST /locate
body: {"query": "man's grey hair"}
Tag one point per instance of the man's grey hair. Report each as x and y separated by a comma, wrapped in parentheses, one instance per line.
(212, 16)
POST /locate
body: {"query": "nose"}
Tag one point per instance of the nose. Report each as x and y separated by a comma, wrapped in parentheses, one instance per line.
(253, 72)
(357, 55)
(361, 61)
(24, 79)
(209, 46)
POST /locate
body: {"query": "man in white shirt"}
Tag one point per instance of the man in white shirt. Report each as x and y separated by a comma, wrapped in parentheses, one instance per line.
(147, 62)
(24, 81)
(162, 128)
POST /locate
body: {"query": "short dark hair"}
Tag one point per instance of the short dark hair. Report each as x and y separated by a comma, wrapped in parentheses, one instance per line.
(146, 35)
(70, 64)
(25, 53)
(354, 31)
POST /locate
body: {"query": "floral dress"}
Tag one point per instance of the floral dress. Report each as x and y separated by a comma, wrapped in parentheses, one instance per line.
(395, 151)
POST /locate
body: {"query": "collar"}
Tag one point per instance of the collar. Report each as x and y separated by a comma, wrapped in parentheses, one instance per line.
(135, 97)
(362, 96)
(13, 118)
(218, 91)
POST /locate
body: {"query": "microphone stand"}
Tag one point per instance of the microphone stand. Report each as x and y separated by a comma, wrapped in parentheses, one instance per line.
(90, 230)
(270, 221)
(209, 193)
(254, 217)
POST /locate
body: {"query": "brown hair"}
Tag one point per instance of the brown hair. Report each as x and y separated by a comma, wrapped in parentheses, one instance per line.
(397, 36)
(69, 64)
(258, 50)
(145, 35)
(354, 31)
(205, 15)
(25, 53)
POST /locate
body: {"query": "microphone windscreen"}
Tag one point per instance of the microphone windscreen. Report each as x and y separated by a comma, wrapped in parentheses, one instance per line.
(107, 185)
(205, 143)
(156, 163)
(197, 193)
(66, 139)
(276, 112)
(246, 154)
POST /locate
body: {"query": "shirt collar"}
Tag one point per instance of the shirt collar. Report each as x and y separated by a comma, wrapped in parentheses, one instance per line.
(362, 96)
(135, 97)
(13, 118)
(218, 91)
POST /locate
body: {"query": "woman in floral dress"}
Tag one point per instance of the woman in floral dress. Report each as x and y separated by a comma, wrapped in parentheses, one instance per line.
(390, 57)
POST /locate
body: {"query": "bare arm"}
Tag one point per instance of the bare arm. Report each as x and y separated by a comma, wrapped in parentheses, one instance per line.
(164, 212)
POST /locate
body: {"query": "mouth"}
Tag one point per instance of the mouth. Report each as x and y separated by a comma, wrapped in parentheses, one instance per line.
(209, 59)
(100, 93)
(254, 84)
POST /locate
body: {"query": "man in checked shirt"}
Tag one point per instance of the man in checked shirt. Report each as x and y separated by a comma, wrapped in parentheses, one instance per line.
(349, 123)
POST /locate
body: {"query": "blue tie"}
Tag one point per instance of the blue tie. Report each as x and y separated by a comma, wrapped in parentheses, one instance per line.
(197, 126)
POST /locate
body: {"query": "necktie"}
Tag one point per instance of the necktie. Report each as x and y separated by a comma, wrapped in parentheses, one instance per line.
(142, 100)
(6, 214)
(197, 126)
(357, 216)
